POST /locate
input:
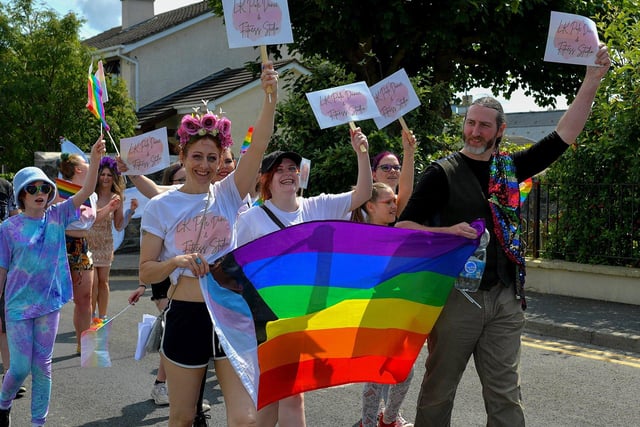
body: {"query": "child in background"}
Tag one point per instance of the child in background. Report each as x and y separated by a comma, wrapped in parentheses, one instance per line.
(36, 282)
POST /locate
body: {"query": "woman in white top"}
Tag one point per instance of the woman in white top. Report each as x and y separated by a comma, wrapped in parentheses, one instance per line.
(183, 231)
(280, 181)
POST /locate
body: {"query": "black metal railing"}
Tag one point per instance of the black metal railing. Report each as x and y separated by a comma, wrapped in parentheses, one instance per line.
(586, 223)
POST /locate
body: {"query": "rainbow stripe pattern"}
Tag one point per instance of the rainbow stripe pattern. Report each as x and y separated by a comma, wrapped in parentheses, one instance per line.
(343, 302)
(525, 189)
(94, 343)
(67, 189)
(94, 98)
(247, 141)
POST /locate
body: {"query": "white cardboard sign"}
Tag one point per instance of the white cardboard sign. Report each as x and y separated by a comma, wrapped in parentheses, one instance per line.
(257, 22)
(146, 153)
(572, 39)
(343, 104)
(394, 97)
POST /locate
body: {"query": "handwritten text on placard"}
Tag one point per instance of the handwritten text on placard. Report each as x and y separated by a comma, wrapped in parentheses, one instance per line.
(572, 39)
(257, 22)
(343, 104)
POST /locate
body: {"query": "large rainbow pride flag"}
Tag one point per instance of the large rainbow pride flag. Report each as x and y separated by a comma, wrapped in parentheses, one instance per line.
(343, 302)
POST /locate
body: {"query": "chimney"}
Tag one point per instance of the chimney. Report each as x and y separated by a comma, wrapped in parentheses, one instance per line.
(136, 11)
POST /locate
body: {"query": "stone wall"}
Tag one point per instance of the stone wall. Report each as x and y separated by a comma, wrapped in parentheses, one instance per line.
(599, 282)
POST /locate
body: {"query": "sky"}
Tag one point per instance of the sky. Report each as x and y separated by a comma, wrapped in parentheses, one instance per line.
(102, 15)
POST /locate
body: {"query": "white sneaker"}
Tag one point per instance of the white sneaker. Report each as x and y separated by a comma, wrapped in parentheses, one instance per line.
(160, 394)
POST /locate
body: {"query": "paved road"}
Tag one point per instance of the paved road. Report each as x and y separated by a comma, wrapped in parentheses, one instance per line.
(119, 396)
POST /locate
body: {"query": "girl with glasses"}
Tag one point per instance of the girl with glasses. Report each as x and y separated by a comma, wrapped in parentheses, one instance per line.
(382, 209)
(35, 281)
(386, 168)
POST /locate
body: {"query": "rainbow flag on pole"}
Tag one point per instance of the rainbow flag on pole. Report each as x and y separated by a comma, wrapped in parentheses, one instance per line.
(95, 98)
(94, 343)
(247, 141)
(67, 189)
(343, 302)
(525, 189)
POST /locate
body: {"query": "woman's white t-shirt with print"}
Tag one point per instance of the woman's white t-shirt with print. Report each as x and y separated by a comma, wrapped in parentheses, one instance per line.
(255, 222)
(177, 218)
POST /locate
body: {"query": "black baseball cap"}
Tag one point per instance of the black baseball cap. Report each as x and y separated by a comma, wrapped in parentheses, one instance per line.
(273, 159)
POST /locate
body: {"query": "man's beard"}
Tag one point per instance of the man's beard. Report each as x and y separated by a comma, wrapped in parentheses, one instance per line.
(490, 145)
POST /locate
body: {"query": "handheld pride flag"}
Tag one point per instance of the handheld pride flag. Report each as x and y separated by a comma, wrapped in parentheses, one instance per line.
(326, 299)
(67, 189)
(94, 98)
(247, 141)
(525, 189)
(103, 82)
(94, 343)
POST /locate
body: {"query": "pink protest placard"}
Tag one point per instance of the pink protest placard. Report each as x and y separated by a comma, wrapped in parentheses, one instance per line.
(572, 39)
(257, 22)
(343, 104)
(394, 97)
(146, 153)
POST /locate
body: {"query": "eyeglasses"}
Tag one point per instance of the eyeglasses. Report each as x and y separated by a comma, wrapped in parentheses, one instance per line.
(290, 169)
(388, 168)
(43, 188)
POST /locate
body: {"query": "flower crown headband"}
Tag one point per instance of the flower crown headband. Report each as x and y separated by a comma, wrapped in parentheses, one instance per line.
(207, 124)
(110, 163)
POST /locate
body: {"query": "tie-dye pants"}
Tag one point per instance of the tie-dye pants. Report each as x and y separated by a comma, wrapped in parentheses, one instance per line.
(31, 349)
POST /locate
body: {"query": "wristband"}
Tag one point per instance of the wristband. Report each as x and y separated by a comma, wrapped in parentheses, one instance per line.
(142, 286)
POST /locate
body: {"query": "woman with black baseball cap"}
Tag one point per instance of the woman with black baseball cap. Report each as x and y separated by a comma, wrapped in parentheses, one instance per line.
(280, 181)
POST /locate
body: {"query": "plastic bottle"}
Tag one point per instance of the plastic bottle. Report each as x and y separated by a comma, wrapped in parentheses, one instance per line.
(471, 275)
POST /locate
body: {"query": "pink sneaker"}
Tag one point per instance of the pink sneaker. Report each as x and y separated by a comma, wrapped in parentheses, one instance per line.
(399, 422)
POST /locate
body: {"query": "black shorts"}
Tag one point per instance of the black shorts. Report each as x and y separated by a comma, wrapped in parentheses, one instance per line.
(188, 339)
(159, 290)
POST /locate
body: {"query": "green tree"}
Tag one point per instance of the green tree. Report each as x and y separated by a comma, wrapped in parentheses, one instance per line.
(43, 85)
(460, 43)
(598, 181)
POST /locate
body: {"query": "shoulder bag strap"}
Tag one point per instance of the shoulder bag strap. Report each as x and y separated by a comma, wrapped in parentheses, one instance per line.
(273, 216)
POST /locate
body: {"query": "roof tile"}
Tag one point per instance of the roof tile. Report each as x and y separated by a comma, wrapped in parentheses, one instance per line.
(164, 21)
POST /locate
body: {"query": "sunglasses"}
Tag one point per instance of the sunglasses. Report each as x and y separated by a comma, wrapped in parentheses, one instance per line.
(389, 168)
(43, 188)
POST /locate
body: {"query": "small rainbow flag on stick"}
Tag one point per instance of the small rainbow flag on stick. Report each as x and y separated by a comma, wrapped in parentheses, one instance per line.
(67, 189)
(95, 98)
(94, 343)
(326, 302)
(525, 189)
(247, 141)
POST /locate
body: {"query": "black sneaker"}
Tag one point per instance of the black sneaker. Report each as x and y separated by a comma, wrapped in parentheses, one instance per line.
(5, 417)
(199, 421)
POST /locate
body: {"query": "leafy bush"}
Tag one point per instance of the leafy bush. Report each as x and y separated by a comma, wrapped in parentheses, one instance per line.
(598, 179)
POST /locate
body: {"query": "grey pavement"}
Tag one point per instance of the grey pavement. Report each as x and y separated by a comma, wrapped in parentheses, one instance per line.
(601, 323)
